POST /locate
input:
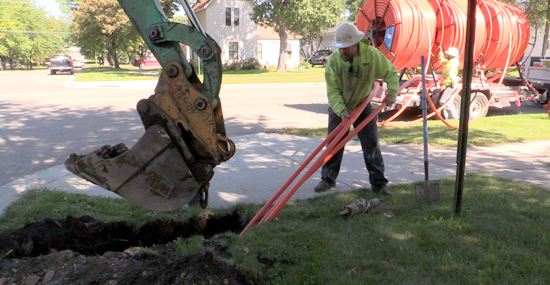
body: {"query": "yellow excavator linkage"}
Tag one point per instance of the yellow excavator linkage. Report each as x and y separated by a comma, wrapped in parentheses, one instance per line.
(184, 139)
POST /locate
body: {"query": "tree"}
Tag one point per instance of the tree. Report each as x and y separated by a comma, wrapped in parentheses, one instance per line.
(284, 16)
(352, 7)
(29, 38)
(314, 18)
(68, 6)
(102, 25)
(538, 12)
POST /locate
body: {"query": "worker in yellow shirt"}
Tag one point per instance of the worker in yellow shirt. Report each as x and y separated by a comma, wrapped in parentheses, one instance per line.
(450, 80)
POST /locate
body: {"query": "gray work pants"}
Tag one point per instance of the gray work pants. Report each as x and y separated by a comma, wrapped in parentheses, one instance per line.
(371, 150)
(449, 112)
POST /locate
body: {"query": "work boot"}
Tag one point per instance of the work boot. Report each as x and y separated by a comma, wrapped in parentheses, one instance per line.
(382, 190)
(323, 186)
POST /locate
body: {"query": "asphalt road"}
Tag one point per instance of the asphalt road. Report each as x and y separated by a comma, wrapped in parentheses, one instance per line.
(42, 122)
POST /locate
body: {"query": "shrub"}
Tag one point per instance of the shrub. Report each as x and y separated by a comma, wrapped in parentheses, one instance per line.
(251, 64)
(304, 65)
(231, 66)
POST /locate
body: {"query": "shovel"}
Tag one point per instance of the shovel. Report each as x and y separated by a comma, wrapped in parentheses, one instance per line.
(426, 192)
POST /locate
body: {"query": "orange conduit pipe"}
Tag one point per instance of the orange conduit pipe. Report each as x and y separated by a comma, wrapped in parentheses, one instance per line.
(506, 25)
(380, 23)
(509, 31)
(451, 29)
(398, 29)
(493, 32)
(328, 154)
(336, 134)
(325, 156)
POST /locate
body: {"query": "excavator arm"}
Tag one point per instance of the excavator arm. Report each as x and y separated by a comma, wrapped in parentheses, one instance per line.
(184, 128)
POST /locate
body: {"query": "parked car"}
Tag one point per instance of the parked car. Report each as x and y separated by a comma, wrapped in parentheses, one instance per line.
(146, 62)
(78, 64)
(320, 58)
(61, 63)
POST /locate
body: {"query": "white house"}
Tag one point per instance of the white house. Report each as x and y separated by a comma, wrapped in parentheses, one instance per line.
(228, 23)
(269, 46)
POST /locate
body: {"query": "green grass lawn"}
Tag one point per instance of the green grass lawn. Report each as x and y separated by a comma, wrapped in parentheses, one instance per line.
(501, 236)
(94, 72)
(484, 132)
(271, 76)
(24, 68)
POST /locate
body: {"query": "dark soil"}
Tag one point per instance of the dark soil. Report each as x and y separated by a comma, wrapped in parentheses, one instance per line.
(87, 251)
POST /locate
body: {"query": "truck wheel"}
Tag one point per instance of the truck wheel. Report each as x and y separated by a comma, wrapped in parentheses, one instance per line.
(478, 101)
(52, 72)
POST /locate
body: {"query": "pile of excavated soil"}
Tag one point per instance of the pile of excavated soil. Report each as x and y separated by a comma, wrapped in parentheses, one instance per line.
(86, 251)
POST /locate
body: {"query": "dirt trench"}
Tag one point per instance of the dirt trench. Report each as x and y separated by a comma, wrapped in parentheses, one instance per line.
(84, 250)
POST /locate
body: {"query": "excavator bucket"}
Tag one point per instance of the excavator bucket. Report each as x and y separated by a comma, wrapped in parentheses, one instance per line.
(152, 174)
(184, 129)
(174, 160)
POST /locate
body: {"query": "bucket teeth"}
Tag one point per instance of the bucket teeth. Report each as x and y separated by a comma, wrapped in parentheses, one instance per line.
(152, 174)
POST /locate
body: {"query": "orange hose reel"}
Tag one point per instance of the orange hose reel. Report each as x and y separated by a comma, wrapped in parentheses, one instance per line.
(404, 30)
(451, 29)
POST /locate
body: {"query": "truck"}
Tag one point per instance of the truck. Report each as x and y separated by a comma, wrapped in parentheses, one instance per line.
(61, 63)
(537, 73)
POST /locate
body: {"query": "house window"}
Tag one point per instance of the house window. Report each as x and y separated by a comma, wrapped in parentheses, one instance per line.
(228, 17)
(260, 51)
(233, 51)
(288, 51)
(236, 17)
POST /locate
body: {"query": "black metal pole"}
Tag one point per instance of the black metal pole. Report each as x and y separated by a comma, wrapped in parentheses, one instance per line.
(465, 104)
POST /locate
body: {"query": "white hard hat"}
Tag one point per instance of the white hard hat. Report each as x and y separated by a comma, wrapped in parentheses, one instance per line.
(452, 51)
(347, 35)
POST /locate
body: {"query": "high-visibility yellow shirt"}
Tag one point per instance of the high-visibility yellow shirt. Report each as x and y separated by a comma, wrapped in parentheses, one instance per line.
(347, 88)
(450, 69)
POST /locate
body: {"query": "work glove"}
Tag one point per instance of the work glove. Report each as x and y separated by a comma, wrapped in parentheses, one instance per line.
(390, 100)
(345, 115)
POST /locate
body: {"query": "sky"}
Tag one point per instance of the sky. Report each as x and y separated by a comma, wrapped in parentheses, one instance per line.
(50, 6)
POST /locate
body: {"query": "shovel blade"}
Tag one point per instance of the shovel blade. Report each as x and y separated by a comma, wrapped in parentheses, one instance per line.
(427, 192)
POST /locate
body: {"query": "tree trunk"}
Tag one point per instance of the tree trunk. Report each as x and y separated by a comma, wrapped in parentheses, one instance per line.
(114, 54)
(319, 44)
(283, 36)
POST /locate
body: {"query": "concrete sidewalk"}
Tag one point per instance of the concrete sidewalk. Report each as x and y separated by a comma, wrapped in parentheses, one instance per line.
(263, 162)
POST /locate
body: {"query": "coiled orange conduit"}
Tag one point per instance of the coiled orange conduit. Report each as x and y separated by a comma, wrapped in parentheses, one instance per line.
(396, 29)
(399, 29)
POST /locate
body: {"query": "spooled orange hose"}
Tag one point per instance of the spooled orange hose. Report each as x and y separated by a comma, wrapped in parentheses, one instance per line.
(398, 29)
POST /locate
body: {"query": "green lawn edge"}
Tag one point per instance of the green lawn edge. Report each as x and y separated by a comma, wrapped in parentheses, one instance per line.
(500, 236)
